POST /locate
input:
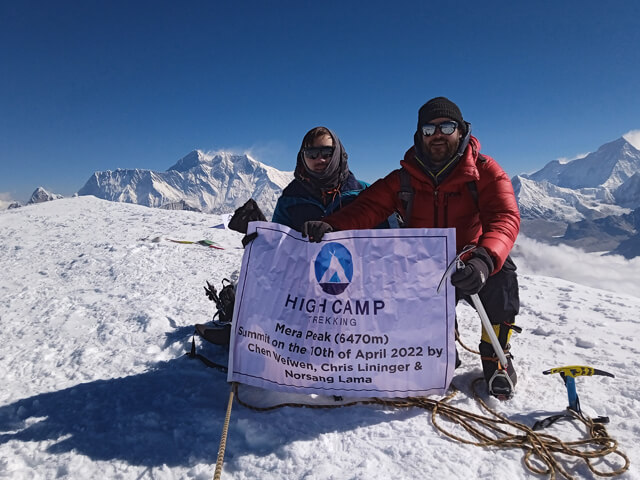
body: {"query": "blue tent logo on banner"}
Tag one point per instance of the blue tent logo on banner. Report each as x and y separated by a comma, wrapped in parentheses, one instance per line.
(334, 268)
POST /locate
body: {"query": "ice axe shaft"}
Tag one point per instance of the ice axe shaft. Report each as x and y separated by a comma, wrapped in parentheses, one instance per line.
(486, 323)
(574, 401)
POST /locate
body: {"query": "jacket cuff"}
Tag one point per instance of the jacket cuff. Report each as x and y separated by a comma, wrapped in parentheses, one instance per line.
(483, 255)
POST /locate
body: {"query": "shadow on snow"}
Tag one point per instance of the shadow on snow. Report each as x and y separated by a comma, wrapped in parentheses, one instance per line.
(170, 415)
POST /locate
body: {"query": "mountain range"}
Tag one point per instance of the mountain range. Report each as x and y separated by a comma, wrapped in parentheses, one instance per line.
(592, 203)
(208, 182)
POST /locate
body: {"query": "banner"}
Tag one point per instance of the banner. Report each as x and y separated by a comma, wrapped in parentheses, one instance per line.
(355, 315)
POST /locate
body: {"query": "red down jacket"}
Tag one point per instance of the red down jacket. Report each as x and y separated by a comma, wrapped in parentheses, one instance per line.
(492, 223)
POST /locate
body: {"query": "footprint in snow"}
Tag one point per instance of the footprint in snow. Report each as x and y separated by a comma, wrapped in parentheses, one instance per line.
(543, 332)
(583, 343)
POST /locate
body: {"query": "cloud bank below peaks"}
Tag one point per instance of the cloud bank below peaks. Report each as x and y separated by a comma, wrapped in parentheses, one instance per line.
(607, 272)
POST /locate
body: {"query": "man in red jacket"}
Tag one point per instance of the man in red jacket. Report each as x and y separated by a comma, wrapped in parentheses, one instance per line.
(451, 185)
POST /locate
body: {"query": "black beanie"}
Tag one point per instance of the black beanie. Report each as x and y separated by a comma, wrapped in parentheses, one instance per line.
(440, 107)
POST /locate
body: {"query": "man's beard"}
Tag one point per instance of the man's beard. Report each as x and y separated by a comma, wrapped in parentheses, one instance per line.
(441, 155)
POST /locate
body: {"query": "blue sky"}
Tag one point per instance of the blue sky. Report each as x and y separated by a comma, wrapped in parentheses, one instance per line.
(100, 85)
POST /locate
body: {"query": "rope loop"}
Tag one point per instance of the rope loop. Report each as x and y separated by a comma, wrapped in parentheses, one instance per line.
(544, 454)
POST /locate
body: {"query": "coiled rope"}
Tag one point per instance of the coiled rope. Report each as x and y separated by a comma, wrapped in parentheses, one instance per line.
(544, 453)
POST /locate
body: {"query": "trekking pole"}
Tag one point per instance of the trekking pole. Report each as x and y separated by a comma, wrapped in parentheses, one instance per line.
(223, 440)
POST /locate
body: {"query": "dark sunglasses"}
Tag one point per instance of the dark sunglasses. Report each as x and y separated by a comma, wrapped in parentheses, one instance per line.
(315, 152)
(447, 128)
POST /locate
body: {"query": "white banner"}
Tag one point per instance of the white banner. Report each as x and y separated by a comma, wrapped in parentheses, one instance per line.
(356, 315)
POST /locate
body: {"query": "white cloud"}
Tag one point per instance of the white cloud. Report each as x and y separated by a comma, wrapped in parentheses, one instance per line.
(608, 272)
(576, 157)
(271, 151)
(633, 137)
(5, 200)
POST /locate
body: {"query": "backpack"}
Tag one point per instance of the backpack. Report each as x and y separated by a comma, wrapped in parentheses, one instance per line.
(217, 331)
(406, 193)
(248, 212)
(224, 301)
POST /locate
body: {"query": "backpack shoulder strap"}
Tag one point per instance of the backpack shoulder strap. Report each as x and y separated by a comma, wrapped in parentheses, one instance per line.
(473, 186)
(473, 189)
(405, 194)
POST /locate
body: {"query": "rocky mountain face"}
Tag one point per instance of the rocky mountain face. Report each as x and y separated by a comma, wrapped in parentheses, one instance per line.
(209, 182)
(41, 195)
(592, 203)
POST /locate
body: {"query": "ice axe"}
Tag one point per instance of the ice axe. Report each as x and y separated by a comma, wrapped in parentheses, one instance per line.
(457, 264)
(569, 375)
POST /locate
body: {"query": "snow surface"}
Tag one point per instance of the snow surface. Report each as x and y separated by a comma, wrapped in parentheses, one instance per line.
(97, 309)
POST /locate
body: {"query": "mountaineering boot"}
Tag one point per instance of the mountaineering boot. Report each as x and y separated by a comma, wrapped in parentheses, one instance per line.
(500, 382)
(218, 333)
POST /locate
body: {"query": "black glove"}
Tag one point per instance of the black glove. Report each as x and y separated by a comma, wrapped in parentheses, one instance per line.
(474, 275)
(315, 230)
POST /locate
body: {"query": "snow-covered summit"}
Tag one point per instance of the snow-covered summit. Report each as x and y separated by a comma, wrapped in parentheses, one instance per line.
(584, 195)
(609, 167)
(586, 188)
(215, 182)
(41, 195)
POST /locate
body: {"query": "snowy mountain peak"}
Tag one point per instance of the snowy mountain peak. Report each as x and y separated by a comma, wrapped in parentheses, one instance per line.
(610, 166)
(213, 182)
(586, 196)
(586, 188)
(198, 158)
(41, 195)
(228, 162)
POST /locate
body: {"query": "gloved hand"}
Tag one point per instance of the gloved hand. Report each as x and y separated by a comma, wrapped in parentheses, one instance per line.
(315, 230)
(474, 275)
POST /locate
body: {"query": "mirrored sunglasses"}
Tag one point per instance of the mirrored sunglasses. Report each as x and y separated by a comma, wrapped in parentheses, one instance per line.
(315, 152)
(447, 128)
